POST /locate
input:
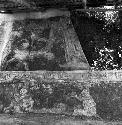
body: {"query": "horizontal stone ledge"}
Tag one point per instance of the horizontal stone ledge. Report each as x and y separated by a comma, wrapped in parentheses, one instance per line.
(34, 15)
(79, 75)
(46, 75)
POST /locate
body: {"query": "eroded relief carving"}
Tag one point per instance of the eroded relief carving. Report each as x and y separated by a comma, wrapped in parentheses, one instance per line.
(43, 44)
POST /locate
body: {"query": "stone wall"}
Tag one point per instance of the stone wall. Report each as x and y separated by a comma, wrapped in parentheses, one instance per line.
(40, 92)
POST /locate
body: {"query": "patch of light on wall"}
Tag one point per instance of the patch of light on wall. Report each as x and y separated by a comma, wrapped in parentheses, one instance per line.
(109, 15)
(2, 11)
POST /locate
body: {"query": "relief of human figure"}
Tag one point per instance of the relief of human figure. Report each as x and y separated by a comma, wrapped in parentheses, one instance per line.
(23, 55)
(20, 55)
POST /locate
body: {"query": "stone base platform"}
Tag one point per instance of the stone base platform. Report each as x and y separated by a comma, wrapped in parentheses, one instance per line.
(96, 92)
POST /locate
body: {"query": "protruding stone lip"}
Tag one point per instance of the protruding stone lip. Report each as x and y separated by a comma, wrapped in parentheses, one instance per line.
(34, 15)
(85, 76)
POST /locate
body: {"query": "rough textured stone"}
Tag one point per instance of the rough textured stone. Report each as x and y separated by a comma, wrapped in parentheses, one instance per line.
(34, 94)
(41, 44)
(92, 94)
(108, 98)
(26, 95)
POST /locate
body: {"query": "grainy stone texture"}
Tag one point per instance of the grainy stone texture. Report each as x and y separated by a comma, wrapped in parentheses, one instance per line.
(89, 94)
(41, 44)
(108, 98)
(29, 95)
(34, 94)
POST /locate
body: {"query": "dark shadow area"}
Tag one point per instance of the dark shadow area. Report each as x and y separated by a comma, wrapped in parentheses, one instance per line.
(97, 32)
